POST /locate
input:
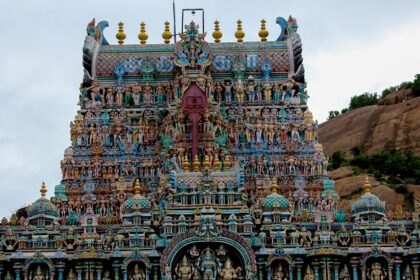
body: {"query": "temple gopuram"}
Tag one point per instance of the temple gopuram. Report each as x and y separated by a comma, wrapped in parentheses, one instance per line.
(200, 161)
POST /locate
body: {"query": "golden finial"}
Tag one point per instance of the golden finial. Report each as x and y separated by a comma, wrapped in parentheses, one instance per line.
(143, 35)
(120, 35)
(137, 187)
(167, 35)
(228, 164)
(196, 164)
(43, 189)
(216, 164)
(367, 186)
(186, 164)
(274, 185)
(217, 34)
(206, 162)
(239, 34)
(263, 32)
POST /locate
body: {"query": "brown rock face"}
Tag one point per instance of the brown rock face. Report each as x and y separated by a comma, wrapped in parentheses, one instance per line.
(393, 125)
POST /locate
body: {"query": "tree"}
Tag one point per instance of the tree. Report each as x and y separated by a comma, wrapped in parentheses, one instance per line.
(416, 85)
(365, 99)
(333, 114)
(337, 159)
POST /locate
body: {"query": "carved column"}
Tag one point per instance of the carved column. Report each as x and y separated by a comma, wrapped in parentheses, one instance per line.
(124, 271)
(397, 272)
(291, 267)
(17, 268)
(299, 272)
(363, 271)
(98, 271)
(415, 270)
(79, 271)
(316, 270)
(116, 267)
(390, 266)
(60, 268)
(336, 267)
(354, 270)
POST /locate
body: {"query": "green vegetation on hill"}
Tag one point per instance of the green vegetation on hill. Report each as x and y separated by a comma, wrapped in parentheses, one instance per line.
(367, 98)
(396, 166)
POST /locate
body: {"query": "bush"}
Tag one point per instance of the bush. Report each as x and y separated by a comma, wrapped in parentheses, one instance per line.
(416, 85)
(337, 159)
(401, 189)
(356, 151)
(333, 114)
(365, 99)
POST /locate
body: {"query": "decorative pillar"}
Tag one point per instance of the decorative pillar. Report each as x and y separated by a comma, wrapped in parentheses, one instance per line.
(17, 268)
(363, 270)
(60, 273)
(98, 272)
(397, 271)
(336, 266)
(316, 270)
(390, 266)
(416, 270)
(299, 272)
(354, 269)
(116, 268)
(79, 271)
(125, 273)
(291, 267)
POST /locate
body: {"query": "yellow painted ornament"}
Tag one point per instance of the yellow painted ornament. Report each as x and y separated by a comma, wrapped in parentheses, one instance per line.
(120, 35)
(166, 35)
(239, 34)
(143, 35)
(217, 34)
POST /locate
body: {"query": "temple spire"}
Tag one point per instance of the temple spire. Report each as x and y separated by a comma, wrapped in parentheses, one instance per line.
(137, 187)
(367, 186)
(43, 189)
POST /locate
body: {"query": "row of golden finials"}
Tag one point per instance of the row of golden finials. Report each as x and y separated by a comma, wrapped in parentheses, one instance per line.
(167, 35)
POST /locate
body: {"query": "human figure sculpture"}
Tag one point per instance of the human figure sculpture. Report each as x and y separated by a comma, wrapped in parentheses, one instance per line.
(138, 274)
(278, 274)
(239, 90)
(208, 265)
(38, 274)
(228, 272)
(309, 275)
(184, 269)
(344, 274)
(106, 276)
(71, 275)
(376, 272)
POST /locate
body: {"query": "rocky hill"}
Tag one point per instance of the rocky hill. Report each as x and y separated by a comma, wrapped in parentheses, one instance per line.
(394, 123)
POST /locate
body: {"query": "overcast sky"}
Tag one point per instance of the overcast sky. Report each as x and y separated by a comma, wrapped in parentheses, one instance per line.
(349, 47)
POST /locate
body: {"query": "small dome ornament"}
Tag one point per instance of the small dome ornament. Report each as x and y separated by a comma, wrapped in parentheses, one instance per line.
(166, 35)
(186, 164)
(239, 34)
(274, 185)
(228, 163)
(367, 187)
(263, 33)
(120, 35)
(217, 34)
(137, 187)
(43, 189)
(216, 164)
(206, 162)
(196, 164)
(143, 35)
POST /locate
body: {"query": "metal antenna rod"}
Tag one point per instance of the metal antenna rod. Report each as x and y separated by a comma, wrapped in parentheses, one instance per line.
(173, 10)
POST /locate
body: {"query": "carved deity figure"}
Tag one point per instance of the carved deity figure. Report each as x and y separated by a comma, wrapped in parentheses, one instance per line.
(71, 275)
(208, 265)
(376, 272)
(106, 276)
(184, 269)
(228, 272)
(138, 274)
(344, 274)
(278, 273)
(309, 275)
(38, 274)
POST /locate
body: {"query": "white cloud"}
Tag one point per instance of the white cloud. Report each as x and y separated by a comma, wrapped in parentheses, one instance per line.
(358, 66)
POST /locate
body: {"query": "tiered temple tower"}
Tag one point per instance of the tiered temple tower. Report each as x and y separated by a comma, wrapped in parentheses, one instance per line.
(200, 161)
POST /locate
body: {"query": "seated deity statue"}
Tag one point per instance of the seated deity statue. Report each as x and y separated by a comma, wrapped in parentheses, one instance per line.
(107, 276)
(228, 272)
(138, 274)
(344, 274)
(376, 272)
(184, 269)
(39, 275)
(71, 275)
(278, 273)
(309, 275)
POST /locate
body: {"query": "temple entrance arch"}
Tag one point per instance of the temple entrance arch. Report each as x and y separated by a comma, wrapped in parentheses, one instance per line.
(224, 255)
